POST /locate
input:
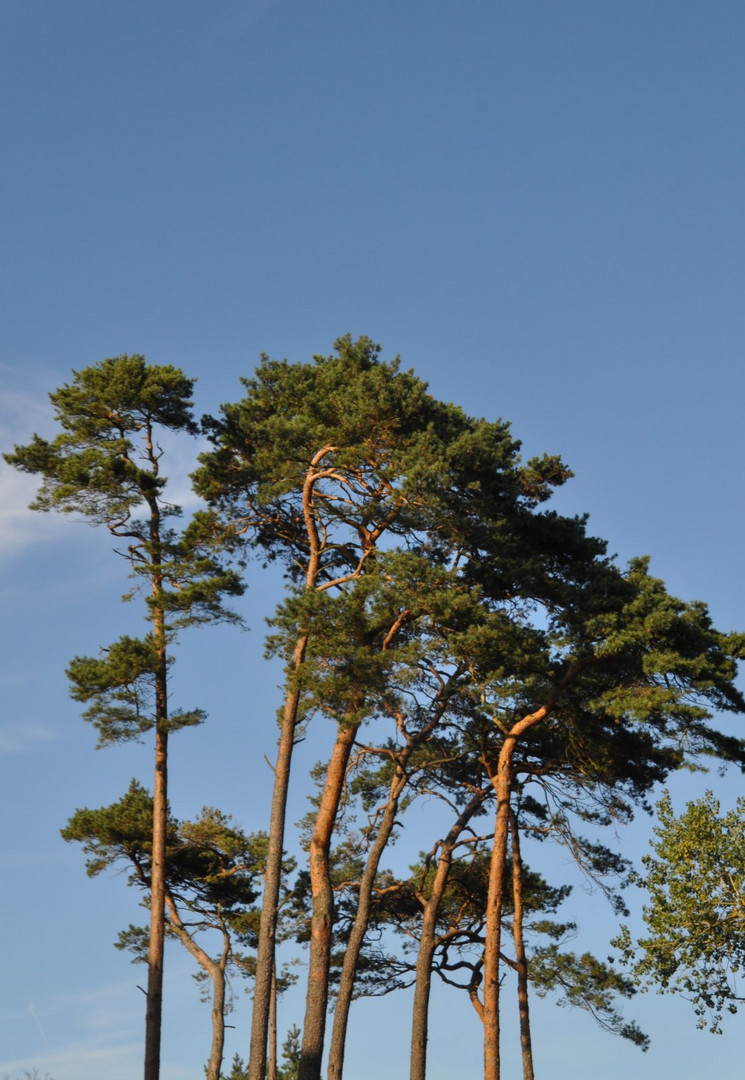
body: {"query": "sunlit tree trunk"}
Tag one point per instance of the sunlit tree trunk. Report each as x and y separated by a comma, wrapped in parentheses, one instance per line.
(271, 1072)
(156, 947)
(323, 907)
(265, 953)
(502, 784)
(427, 941)
(367, 883)
(216, 971)
(359, 928)
(520, 957)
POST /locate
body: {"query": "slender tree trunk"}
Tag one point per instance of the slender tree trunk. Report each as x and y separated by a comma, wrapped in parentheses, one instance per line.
(367, 883)
(494, 922)
(265, 953)
(502, 783)
(428, 942)
(359, 928)
(218, 1024)
(323, 907)
(216, 972)
(521, 959)
(420, 1008)
(156, 946)
(271, 1072)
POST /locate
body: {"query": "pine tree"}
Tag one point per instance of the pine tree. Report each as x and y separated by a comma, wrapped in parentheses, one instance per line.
(105, 464)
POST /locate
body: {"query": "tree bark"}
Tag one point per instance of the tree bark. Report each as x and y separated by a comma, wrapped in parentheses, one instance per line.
(359, 928)
(323, 907)
(271, 1072)
(265, 953)
(367, 883)
(216, 972)
(156, 945)
(502, 783)
(503, 787)
(526, 1046)
(428, 943)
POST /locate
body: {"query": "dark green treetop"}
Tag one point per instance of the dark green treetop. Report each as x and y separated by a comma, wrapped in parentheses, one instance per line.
(213, 869)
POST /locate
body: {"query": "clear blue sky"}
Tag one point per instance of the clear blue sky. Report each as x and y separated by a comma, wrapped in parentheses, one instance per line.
(539, 205)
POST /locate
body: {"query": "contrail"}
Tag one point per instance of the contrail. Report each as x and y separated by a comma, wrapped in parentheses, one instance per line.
(32, 1013)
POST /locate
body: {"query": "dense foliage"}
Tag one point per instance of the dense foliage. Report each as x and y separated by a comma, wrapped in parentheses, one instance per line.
(461, 640)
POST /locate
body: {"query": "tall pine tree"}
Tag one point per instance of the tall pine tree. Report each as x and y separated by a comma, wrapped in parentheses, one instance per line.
(106, 465)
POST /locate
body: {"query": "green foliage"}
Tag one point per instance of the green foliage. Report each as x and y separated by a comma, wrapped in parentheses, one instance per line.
(696, 913)
(290, 1065)
(429, 587)
(239, 1071)
(213, 869)
(588, 983)
(121, 832)
(105, 414)
(122, 686)
(106, 465)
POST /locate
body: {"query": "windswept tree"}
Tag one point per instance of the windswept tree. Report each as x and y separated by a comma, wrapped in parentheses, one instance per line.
(695, 918)
(213, 878)
(625, 692)
(356, 479)
(106, 466)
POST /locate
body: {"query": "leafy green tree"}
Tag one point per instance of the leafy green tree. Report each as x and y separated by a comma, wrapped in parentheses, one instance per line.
(213, 878)
(106, 465)
(695, 918)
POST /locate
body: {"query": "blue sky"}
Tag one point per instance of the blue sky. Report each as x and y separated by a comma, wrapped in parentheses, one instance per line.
(538, 205)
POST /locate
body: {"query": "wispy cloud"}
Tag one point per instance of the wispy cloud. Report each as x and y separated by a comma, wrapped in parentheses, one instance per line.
(106, 1041)
(82, 1061)
(17, 737)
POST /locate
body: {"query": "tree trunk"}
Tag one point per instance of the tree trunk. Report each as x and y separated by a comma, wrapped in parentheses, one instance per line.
(520, 957)
(218, 1024)
(156, 947)
(271, 1072)
(359, 928)
(323, 907)
(502, 784)
(367, 883)
(265, 959)
(265, 953)
(216, 972)
(428, 943)
(494, 925)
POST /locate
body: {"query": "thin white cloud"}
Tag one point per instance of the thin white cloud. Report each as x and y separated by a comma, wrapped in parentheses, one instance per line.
(108, 1024)
(17, 738)
(82, 1061)
(108, 1041)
